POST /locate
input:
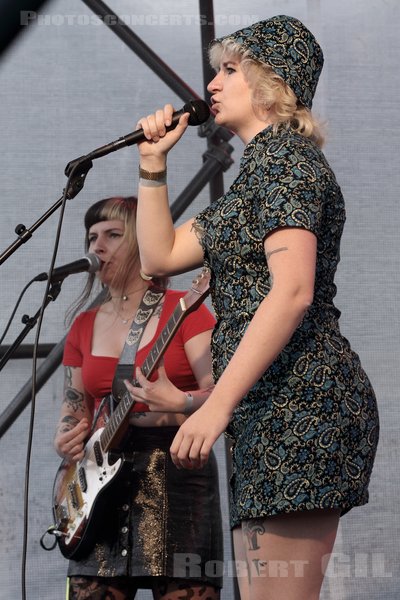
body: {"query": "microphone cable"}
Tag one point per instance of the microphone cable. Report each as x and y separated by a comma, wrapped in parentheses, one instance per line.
(10, 320)
(33, 398)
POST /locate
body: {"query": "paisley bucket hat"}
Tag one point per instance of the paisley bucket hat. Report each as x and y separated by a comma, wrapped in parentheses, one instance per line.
(288, 47)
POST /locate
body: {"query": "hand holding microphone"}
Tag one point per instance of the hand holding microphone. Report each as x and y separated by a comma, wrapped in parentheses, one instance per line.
(198, 113)
(154, 127)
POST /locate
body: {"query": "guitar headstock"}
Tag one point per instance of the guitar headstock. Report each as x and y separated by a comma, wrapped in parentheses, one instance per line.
(198, 291)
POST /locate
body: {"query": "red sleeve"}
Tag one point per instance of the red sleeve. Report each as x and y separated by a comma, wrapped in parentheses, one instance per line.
(198, 321)
(72, 354)
(78, 338)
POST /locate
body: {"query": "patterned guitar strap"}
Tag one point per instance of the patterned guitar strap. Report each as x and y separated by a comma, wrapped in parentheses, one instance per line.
(124, 370)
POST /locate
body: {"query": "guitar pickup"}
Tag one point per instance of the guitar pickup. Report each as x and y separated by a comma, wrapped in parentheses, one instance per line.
(82, 479)
(98, 454)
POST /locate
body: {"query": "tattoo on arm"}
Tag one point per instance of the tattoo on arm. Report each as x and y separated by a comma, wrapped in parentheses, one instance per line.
(68, 377)
(67, 423)
(283, 249)
(268, 255)
(73, 398)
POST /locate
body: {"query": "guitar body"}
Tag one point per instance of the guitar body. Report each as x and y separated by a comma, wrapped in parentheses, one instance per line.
(79, 490)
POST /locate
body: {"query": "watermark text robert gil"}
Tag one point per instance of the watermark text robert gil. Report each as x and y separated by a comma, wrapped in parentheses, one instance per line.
(339, 565)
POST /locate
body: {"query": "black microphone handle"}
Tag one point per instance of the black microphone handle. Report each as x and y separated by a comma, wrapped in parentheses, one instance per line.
(90, 263)
(197, 109)
(131, 138)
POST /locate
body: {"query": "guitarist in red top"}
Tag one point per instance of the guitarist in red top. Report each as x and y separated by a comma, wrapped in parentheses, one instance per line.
(128, 518)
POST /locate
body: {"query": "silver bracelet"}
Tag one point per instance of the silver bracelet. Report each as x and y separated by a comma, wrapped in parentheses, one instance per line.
(188, 404)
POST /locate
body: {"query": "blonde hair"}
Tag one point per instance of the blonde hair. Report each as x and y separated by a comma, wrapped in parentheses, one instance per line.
(270, 92)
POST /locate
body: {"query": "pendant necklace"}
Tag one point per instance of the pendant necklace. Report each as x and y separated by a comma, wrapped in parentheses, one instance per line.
(124, 298)
(124, 321)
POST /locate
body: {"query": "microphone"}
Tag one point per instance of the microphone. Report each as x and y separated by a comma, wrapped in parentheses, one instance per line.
(90, 263)
(199, 113)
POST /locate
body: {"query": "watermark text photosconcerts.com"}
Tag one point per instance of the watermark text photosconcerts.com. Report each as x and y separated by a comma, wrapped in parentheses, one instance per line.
(154, 20)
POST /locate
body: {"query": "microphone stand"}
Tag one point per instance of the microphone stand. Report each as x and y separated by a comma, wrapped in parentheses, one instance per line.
(80, 168)
(30, 322)
(76, 171)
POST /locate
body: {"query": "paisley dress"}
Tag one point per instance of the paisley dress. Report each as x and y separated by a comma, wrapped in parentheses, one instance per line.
(305, 435)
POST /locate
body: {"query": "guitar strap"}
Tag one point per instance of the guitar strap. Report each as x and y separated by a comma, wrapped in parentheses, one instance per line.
(151, 299)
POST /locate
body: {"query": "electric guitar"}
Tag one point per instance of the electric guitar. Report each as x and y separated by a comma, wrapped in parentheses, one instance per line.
(79, 490)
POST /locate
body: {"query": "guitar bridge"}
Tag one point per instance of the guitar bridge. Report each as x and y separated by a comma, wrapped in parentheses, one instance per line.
(75, 496)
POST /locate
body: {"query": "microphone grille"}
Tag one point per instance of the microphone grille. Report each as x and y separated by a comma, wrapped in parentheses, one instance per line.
(94, 263)
(199, 111)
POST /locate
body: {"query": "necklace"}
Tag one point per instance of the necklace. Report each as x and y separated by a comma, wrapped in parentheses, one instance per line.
(125, 321)
(125, 297)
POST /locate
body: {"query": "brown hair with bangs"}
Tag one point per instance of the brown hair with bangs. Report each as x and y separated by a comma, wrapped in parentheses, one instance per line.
(110, 209)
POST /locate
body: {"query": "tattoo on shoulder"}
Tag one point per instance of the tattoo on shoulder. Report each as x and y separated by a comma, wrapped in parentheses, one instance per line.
(283, 249)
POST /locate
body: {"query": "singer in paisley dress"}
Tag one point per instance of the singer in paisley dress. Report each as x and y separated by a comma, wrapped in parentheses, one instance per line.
(290, 391)
(309, 425)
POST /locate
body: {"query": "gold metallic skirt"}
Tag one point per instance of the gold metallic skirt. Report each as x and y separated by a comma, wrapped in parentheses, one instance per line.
(159, 521)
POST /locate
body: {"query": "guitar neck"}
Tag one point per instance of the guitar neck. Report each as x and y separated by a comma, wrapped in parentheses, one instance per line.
(119, 416)
(164, 339)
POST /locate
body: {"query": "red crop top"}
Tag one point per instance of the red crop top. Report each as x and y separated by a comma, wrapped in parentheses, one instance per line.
(98, 371)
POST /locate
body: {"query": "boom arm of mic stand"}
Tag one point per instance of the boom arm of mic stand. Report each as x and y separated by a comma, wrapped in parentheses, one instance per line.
(78, 170)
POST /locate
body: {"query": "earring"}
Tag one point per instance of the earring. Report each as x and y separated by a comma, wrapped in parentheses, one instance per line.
(144, 276)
